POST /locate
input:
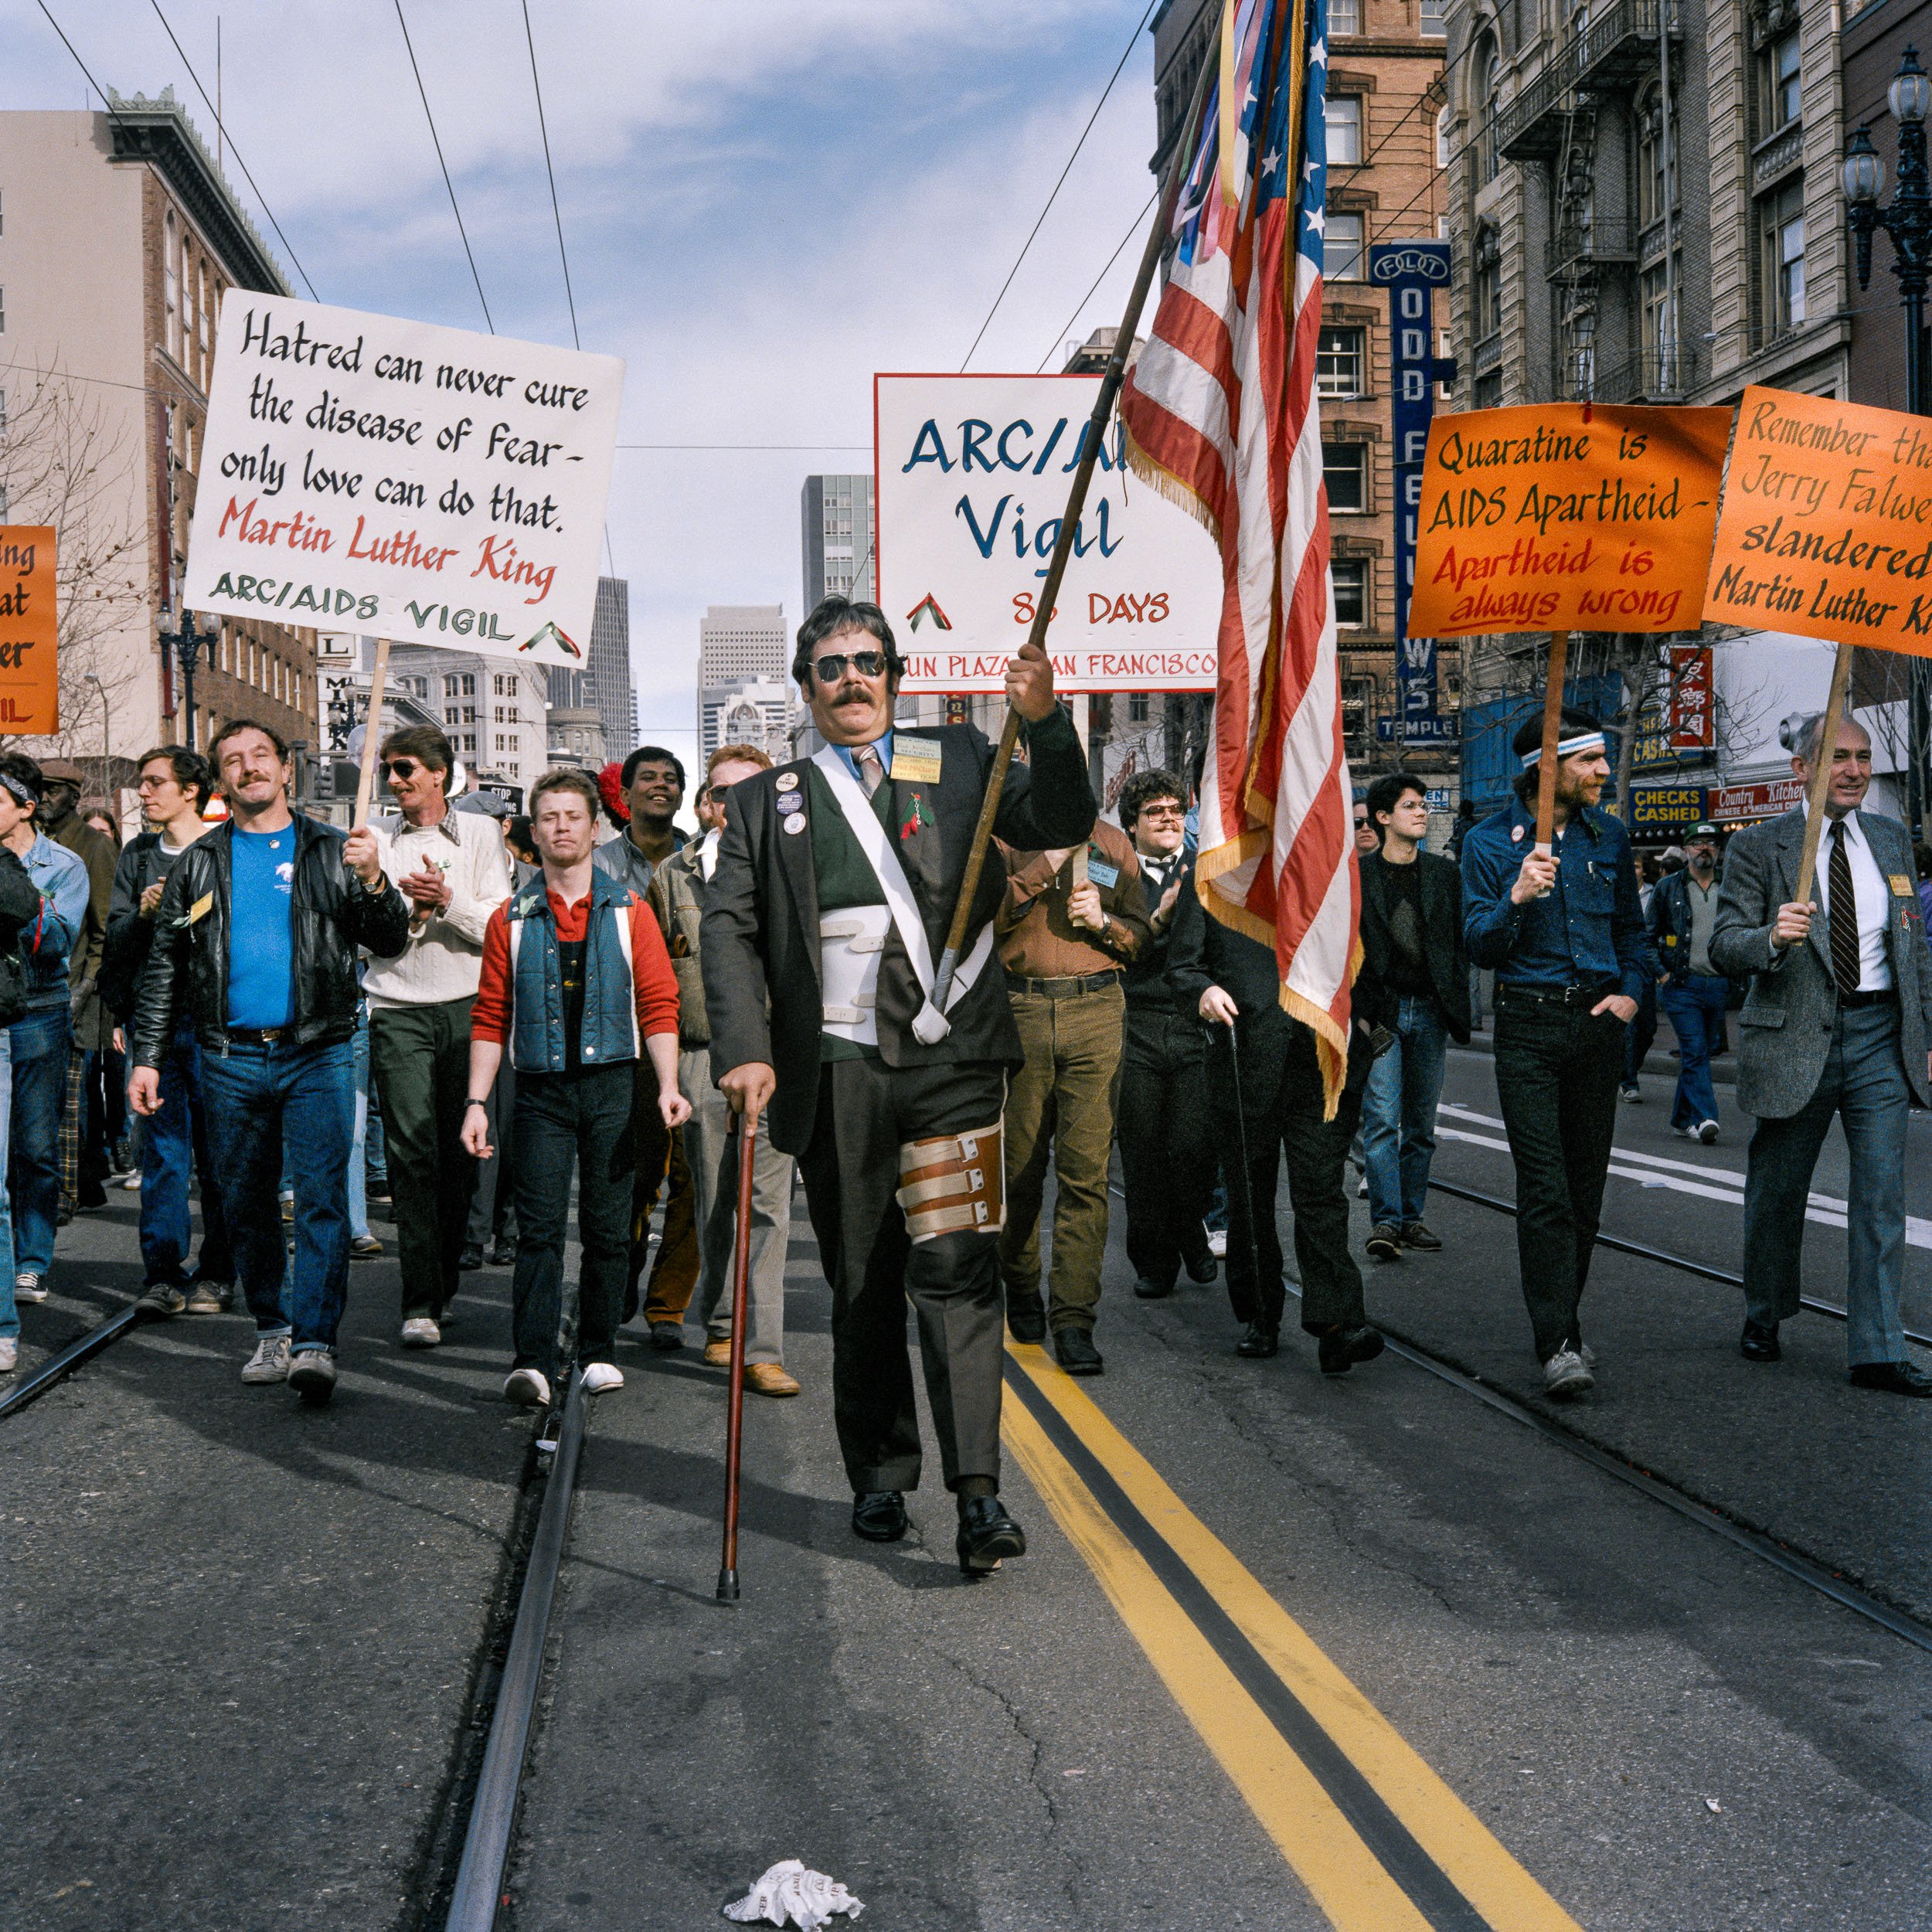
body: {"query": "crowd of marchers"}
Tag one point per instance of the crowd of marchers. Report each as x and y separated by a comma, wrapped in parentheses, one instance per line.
(586, 993)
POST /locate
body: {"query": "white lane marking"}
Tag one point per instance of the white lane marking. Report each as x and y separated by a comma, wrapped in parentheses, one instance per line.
(1828, 1210)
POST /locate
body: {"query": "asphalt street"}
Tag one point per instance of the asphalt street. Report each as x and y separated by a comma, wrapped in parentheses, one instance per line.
(1285, 1651)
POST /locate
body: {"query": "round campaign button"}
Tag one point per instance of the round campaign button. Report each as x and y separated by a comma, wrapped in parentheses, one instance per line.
(788, 781)
(795, 822)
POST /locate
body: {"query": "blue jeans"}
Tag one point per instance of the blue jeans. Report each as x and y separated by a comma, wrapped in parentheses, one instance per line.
(176, 1142)
(40, 1043)
(1694, 1004)
(258, 1098)
(1399, 1114)
(1864, 1084)
(9, 1310)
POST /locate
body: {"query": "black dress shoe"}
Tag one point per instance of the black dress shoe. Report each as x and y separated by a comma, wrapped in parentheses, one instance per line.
(1027, 1319)
(1385, 1241)
(1418, 1234)
(1148, 1289)
(1341, 1348)
(1074, 1349)
(1759, 1343)
(1259, 1342)
(1895, 1377)
(1202, 1267)
(986, 1534)
(470, 1257)
(878, 1516)
(503, 1255)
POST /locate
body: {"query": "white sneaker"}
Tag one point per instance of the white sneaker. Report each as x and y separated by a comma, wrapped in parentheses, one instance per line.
(600, 1375)
(1217, 1241)
(9, 1355)
(1567, 1373)
(528, 1389)
(28, 1287)
(270, 1362)
(1707, 1131)
(311, 1375)
(132, 1184)
(419, 1331)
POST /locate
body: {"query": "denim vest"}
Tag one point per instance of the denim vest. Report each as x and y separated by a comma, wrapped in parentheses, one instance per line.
(536, 980)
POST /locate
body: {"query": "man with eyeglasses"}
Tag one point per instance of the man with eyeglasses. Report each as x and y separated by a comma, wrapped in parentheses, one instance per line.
(450, 866)
(836, 880)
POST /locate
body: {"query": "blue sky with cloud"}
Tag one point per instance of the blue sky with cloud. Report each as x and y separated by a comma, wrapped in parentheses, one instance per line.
(763, 203)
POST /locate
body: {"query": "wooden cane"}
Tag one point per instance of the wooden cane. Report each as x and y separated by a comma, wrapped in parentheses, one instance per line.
(1821, 781)
(1096, 430)
(371, 735)
(1553, 736)
(735, 1399)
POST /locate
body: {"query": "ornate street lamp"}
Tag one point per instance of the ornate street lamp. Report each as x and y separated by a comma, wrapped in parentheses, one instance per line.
(187, 642)
(1908, 221)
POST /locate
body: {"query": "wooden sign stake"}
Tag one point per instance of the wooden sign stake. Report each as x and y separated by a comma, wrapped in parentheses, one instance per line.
(1821, 779)
(1553, 736)
(371, 735)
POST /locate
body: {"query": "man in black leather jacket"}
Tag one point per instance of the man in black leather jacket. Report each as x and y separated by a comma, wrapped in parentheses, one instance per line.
(255, 943)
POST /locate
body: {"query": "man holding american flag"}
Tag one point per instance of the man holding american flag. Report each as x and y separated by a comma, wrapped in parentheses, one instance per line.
(1221, 416)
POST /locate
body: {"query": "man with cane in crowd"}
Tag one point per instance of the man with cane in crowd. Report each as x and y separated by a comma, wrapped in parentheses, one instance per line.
(836, 880)
(1563, 931)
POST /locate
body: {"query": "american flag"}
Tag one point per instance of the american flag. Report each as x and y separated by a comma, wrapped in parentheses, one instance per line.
(1220, 414)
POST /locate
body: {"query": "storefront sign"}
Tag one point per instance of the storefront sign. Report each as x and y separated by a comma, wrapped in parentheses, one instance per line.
(1567, 517)
(1665, 808)
(1691, 719)
(971, 477)
(1738, 805)
(29, 663)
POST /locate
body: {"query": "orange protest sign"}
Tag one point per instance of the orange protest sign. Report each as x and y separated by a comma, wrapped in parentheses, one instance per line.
(29, 682)
(1565, 516)
(1827, 524)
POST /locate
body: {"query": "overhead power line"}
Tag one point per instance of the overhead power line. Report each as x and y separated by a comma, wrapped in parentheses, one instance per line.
(1134, 230)
(437, 141)
(556, 210)
(228, 141)
(1133, 41)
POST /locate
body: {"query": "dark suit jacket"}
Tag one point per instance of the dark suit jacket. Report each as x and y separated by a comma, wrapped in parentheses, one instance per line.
(760, 937)
(1448, 962)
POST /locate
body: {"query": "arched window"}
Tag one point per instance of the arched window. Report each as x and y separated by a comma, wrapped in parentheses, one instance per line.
(1442, 138)
(1657, 183)
(171, 284)
(1485, 109)
(1489, 285)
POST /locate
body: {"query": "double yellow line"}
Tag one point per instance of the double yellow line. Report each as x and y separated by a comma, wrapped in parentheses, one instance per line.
(1381, 1842)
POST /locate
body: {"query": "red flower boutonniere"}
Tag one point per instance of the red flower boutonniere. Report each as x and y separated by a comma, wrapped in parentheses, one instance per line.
(916, 816)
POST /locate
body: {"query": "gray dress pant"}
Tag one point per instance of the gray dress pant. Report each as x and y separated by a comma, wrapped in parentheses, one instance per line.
(1864, 1084)
(711, 1151)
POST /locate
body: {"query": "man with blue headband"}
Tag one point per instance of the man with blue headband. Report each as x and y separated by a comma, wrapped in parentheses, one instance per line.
(1563, 929)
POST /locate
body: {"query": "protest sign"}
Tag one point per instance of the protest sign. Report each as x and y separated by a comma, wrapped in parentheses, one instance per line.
(1564, 516)
(1827, 524)
(426, 485)
(970, 476)
(30, 662)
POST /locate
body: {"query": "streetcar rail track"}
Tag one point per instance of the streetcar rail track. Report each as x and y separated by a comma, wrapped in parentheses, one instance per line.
(63, 1363)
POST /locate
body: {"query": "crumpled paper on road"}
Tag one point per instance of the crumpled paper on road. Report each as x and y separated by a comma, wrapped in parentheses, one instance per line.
(788, 1894)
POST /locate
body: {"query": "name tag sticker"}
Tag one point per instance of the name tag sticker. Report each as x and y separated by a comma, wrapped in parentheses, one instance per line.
(1100, 873)
(200, 909)
(1902, 886)
(916, 760)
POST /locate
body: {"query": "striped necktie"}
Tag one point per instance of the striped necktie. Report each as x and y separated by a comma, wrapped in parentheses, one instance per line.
(1843, 916)
(871, 773)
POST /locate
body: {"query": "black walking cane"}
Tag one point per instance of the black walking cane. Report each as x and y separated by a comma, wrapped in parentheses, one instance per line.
(735, 1400)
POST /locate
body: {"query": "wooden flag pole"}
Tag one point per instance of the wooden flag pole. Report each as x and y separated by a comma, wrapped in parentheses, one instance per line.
(1553, 736)
(371, 735)
(1096, 430)
(1821, 779)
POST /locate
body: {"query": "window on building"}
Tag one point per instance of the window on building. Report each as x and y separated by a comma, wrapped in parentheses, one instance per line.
(1654, 297)
(452, 716)
(1345, 130)
(469, 741)
(1488, 282)
(1487, 109)
(1344, 16)
(171, 285)
(1139, 707)
(1781, 256)
(1344, 468)
(1433, 25)
(1338, 361)
(1341, 248)
(451, 686)
(1780, 83)
(469, 686)
(1442, 137)
(502, 685)
(1350, 576)
(203, 319)
(187, 305)
(1656, 161)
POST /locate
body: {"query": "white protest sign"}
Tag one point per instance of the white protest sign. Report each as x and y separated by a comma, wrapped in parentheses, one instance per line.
(426, 485)
(970, 475)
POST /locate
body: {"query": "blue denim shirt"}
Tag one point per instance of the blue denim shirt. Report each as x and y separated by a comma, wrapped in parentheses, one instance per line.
(46, 945)
(1587, 931)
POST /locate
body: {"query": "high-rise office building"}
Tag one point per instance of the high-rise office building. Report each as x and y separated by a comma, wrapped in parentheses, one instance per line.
(609, 672)
(836, 514)
(743, 647)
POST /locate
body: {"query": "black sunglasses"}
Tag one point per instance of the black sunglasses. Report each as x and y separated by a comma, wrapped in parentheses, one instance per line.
(831, 667)
(399, 767)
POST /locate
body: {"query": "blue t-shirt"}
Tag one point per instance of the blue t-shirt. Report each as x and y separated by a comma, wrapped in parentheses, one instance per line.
(261, 928)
